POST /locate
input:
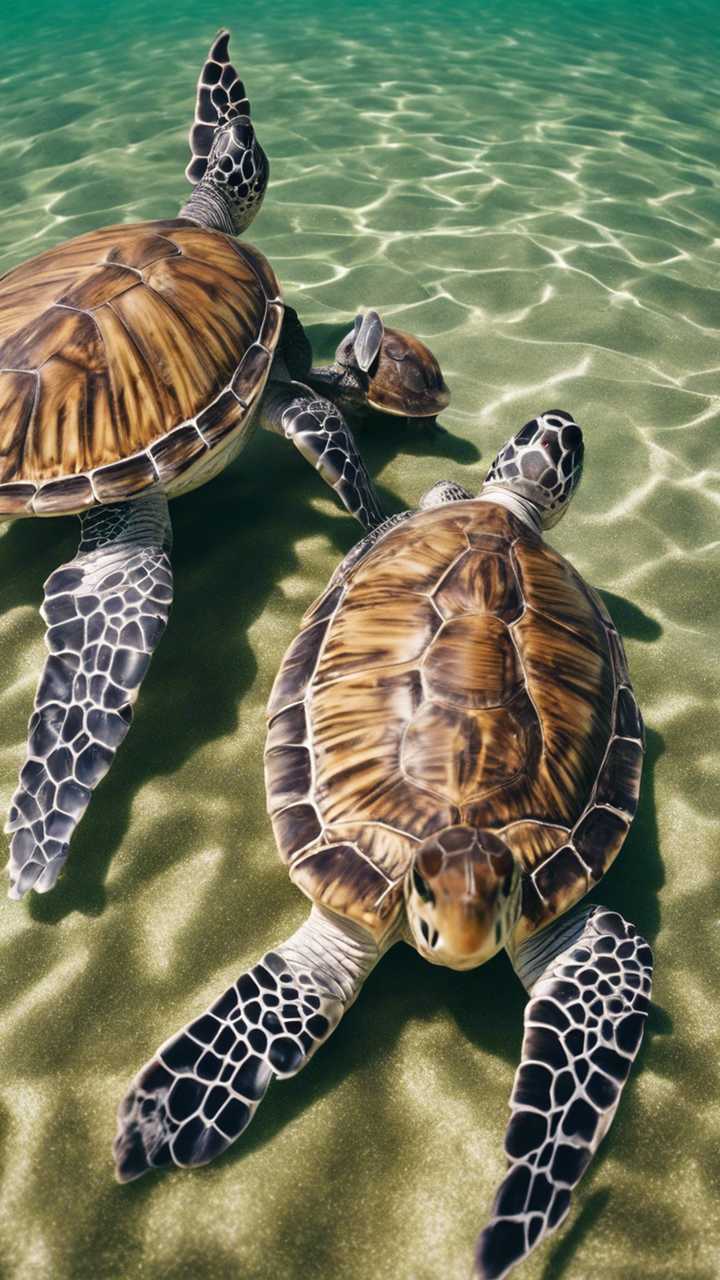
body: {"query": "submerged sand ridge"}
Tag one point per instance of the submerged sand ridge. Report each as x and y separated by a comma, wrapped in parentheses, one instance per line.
(533, 191)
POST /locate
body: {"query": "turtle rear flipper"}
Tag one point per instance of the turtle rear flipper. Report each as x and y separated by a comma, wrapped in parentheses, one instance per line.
(589, 978)
(105, 612)
(203, 1087)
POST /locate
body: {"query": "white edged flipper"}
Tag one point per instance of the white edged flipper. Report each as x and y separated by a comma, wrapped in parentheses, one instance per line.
(204, 1085)
(220, 99)
(105, 613)
(589, 976)
(320, 433)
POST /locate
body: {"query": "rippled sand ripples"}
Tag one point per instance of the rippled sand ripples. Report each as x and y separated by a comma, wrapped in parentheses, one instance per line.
(534, 190)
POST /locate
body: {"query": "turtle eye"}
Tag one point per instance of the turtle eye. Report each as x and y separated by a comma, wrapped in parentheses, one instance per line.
(422, 888)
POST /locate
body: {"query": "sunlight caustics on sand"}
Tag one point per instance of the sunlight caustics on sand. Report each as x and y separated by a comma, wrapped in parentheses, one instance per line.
(534, 190)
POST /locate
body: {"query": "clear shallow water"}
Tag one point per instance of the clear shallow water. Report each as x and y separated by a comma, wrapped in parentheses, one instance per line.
(534, 190)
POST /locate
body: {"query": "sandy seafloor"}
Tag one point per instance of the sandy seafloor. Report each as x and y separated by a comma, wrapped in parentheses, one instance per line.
(533, 190)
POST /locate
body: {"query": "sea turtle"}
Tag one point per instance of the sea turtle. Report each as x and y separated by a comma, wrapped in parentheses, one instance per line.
(387, 369)
(453, 759)
(134, 363)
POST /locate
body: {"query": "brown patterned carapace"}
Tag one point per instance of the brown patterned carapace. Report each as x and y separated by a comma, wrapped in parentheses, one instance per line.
(117, 354)
(463, 674)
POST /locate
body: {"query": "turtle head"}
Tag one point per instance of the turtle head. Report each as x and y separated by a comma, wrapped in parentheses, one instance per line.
(228, 167)
(540, 465)
(388, 370)
(462, 896)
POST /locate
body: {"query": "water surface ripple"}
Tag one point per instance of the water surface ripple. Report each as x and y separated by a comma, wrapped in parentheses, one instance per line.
(534, 190)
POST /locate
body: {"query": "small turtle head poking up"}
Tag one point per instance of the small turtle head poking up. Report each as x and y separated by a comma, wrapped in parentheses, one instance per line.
(462, 895)
(387, 370)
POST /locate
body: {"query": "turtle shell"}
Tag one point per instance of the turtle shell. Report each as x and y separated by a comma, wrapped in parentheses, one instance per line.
(463, 673)
(130, 356)
(406, 379)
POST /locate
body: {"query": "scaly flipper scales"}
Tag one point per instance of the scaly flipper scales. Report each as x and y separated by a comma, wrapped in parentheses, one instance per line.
(589, 976)
(105, 612)
(320, 433)
(228, 168)
(220, 99)
(203, 1086)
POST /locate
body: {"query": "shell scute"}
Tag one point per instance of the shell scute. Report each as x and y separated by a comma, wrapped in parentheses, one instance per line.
(177, 451)
(288, 773)
(289, 727)
(412, 809)
(385, 846)
(141, 251)
(480, 583)
(253, 369)
(61, 400)
(628, 721)
(532, 841)
(220, 418)
(17, 400)
(572, 689)
(338, 877)
(367, 636)
(368, 710)
(124, 479)
(297, 668)
(461, 754)
(218, 312)
(412, 564)
(271, 326)
(324, 606)
(56, 330)
(57, 495)
(16, 498)
(295, 828)
(598, 839)
(472, 662)
(619, 781)
(137, 400)
(552, 587)
(98, 287)
(561, 879)
(524, 796)
(617, 650)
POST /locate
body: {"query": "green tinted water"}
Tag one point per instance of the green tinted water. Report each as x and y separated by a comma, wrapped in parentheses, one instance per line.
(533, 190)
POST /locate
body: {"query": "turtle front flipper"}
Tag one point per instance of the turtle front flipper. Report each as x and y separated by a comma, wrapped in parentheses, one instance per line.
(105, 612)
(228, 167)
(320, 433)
(203, 1087)
(589, 977)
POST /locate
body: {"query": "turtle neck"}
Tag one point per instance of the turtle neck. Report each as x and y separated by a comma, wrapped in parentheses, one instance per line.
(521, 507)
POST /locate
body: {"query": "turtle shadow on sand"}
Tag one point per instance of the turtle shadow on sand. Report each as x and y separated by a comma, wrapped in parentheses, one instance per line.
(234, 540)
